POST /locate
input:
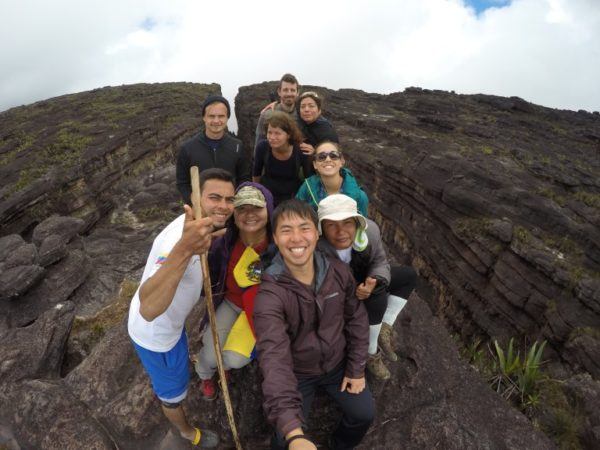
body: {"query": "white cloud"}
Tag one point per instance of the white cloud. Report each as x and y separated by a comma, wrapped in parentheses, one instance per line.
(545, 51)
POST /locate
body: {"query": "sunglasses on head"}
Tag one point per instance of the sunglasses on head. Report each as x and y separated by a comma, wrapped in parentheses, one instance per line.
(334, 155)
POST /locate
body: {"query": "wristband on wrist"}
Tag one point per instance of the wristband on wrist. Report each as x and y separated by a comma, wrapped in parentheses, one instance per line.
(297, 436)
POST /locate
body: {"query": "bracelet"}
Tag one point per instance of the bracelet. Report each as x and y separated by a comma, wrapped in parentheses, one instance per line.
(296, 436)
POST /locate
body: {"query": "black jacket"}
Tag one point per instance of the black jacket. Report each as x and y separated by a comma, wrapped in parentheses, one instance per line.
(196, 152)
(320, 130)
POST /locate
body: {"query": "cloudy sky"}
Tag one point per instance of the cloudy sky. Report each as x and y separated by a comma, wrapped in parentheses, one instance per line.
(545, 51)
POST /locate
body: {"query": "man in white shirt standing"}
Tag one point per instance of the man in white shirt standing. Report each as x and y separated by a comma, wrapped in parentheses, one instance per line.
(170, 287)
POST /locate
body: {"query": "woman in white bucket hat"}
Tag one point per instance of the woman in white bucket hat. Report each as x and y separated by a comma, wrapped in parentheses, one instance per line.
(356, 240)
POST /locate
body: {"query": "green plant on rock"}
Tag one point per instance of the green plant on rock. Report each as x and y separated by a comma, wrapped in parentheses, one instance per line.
(588, 198)
(529, 374)
(515, 378)
(521, 233)
(509, 363)
(28, 176)
(473, 353)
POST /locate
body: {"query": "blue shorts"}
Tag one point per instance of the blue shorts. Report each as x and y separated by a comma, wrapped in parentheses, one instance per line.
(168, 371)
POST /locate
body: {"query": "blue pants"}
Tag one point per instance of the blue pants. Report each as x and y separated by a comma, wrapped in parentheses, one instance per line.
(168, 371)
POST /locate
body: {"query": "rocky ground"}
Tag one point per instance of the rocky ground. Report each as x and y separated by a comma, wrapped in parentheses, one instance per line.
(88, 180)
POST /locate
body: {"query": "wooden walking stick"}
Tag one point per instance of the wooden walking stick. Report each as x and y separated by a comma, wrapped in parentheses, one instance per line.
(210, 307)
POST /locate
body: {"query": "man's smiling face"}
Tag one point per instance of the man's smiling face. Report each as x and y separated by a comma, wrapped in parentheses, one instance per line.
(296, 237)
(217, 201)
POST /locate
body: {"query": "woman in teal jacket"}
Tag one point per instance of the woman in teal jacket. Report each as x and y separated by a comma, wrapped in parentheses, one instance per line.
(331, 178)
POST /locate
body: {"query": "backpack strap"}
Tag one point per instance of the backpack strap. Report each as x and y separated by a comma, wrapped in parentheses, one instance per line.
(311, 193)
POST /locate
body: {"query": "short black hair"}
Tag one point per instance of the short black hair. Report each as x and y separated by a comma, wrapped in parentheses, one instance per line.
(293, 207)
(215, 173)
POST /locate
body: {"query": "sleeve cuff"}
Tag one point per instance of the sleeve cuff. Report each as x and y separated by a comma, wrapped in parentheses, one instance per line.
(290, 425)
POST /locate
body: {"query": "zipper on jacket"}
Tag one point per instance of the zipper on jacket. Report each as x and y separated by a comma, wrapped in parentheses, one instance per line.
(318, 319)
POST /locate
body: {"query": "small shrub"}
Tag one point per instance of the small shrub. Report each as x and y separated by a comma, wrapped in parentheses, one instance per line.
(591, 200)
(521, 233)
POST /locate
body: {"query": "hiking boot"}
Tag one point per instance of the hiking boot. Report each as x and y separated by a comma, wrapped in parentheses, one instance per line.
(386, 342)
(376, 366)
(208, 389)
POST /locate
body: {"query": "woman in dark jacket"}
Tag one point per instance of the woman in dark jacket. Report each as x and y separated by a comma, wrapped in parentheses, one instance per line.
(235, 273)
(279, 164)
(314, 127)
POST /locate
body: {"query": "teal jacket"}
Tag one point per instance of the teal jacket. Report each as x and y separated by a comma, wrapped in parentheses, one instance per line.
(312, 191)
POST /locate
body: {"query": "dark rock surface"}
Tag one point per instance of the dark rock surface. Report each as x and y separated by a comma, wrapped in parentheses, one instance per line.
(36, 351)
(495, 200)
(504, 222)
(106, 160)
(65, 155)
(81, 223)
(15, 281)
(66, 228)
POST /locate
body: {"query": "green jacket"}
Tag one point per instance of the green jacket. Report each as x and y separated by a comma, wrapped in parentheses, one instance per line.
(312, 191)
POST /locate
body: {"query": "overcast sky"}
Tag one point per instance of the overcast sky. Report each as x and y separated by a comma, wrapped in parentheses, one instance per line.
(545, 51)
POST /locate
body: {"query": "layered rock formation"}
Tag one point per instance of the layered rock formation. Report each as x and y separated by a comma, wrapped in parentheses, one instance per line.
(88, 181)
(495, 200)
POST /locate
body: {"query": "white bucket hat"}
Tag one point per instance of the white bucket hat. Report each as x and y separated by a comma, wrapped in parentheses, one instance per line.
(341, 207)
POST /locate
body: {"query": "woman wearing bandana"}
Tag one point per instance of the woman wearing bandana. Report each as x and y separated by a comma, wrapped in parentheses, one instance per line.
(234, 261)
(356, 240)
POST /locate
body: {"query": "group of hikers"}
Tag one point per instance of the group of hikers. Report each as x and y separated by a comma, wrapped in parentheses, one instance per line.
(300, 278)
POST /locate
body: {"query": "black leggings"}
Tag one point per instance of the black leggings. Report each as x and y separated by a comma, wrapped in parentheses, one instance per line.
(402, 283)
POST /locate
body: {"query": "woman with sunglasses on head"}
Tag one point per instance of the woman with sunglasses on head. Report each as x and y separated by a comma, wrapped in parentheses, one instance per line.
(331, 178)
(279, 164)
(314, 127)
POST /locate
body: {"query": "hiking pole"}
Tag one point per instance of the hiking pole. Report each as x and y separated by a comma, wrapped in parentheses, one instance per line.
(210, 307)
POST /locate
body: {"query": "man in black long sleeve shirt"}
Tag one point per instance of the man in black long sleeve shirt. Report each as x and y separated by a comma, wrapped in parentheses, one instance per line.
(213, 147)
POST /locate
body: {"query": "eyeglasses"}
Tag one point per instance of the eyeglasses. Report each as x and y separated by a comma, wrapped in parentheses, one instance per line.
(333, 155)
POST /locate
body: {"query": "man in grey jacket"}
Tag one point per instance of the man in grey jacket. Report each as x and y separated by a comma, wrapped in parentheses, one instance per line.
(312, 333)
(287, 91)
